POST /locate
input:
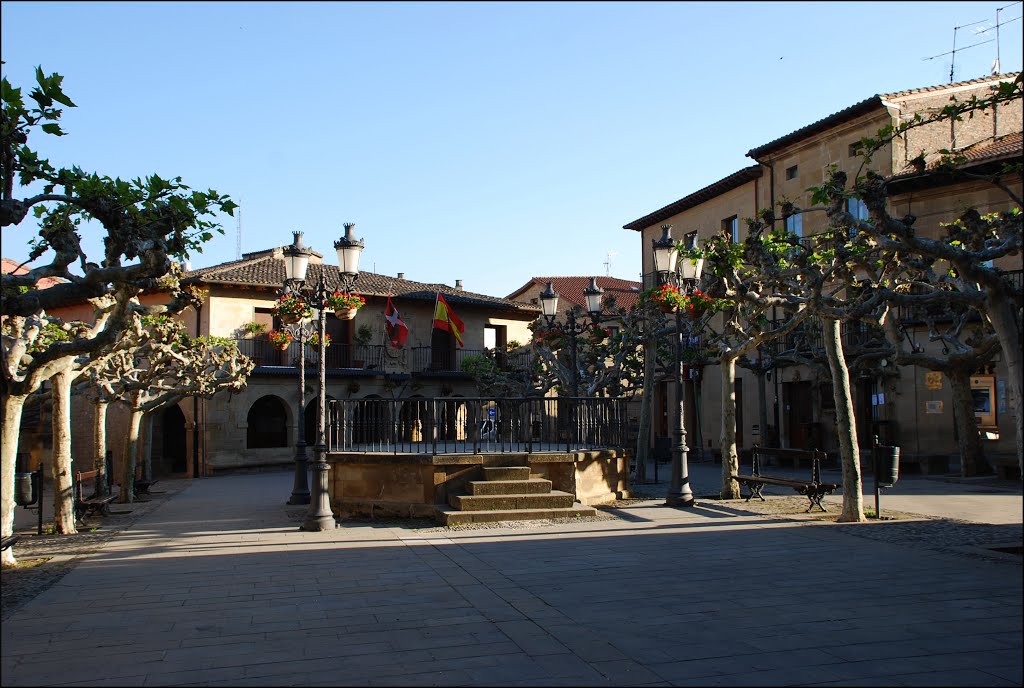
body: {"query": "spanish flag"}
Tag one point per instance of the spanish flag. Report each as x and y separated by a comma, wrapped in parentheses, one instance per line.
(445, 319)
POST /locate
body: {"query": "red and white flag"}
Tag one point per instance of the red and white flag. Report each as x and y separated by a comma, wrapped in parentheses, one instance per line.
(396, 327)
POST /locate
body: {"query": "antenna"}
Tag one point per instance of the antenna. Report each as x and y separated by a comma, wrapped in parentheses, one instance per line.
(238, 232)
(608, 262)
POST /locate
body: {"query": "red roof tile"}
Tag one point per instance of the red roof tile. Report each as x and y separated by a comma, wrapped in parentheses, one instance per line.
(570, 290)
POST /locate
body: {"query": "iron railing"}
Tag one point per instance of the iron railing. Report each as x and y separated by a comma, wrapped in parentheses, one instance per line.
(350, 356)
(464, 425)
(426, 359)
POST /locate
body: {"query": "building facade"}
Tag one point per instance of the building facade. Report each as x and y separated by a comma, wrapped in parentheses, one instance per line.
(896, 405)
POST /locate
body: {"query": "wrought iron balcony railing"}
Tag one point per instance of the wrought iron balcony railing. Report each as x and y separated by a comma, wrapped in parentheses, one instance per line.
(351, 356)
(425, 359)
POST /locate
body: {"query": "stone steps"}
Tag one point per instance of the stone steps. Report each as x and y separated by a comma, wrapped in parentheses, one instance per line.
(493, 502)
(453, 517)
(508, 493)
(509, 487)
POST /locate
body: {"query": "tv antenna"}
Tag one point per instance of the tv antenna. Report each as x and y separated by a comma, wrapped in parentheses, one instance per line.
(238, 232)
(608, 262)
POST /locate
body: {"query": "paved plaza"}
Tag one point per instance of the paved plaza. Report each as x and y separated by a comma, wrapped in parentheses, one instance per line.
(217, 586)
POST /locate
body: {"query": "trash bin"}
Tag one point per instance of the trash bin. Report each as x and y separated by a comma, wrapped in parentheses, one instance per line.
(25, 489)
(887, 465)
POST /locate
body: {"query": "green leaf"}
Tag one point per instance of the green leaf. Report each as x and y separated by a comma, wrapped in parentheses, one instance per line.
(53, 129)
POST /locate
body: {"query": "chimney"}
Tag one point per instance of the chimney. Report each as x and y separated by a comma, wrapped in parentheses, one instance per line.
(401, 275)
(458, 284)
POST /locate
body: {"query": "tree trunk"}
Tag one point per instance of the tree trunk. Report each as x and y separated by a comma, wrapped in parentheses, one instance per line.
(99, 436)
(9, 433)
(63, 484)
(730, 458)
(846, 427)
(972, 454)
(643, 439)
(131, 445)
(1001, 314)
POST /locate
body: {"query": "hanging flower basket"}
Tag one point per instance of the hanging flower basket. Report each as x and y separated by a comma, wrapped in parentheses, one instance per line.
(345, 305)
(291, 309)
(667, 298)
(280, 339)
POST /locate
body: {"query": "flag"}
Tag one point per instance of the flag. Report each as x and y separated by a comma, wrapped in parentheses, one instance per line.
(396, 327)
(445, 319)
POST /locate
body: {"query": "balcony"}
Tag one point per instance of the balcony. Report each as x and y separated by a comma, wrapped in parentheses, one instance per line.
(425, 359)
(339, 356)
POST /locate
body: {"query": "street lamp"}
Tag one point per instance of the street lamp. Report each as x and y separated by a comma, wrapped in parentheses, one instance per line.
(549, 308)
(296, 260)
(682, 276)
(319, 515)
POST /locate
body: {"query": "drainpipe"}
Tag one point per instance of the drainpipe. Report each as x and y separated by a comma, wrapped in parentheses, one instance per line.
(195, 413)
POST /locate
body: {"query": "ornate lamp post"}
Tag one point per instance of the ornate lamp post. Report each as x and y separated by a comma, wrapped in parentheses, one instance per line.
(319, 515)
(296, 260)
(682, 276)
(572, 329)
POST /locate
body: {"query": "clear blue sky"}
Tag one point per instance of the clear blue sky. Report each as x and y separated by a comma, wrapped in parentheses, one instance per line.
(487, 142)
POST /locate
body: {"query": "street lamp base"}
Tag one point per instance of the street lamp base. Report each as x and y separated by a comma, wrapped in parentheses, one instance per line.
(319, 515)
(299, 498)
(318, 523)
(680, 499)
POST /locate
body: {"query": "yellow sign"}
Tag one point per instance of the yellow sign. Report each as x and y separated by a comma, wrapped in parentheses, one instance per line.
(933, 379)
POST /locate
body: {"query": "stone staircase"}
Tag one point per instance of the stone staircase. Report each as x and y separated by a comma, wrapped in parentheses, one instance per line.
(509, 494)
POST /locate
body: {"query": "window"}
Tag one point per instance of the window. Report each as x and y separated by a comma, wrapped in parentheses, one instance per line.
(791, 172)
(795, 224)
(853, 149)
(731, 226)
(858, 209)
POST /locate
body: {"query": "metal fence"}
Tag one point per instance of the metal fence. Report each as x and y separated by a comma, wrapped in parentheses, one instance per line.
(463, 425)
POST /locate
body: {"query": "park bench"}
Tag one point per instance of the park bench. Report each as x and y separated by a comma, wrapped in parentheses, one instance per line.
(93, 504)
(1006, 467)
(813, 489)
(9, 541)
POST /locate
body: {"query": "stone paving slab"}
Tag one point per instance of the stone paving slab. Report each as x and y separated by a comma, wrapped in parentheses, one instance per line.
(217, 586)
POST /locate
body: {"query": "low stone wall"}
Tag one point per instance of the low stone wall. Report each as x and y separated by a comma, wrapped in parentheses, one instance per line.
(414, 485)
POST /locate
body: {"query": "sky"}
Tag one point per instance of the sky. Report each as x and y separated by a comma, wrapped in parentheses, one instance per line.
(487, 142)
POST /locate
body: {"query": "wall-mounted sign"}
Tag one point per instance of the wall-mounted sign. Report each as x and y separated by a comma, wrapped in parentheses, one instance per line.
(933, 407)
(933, 379)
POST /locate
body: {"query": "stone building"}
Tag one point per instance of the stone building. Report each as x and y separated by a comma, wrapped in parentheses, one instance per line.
(891, 404)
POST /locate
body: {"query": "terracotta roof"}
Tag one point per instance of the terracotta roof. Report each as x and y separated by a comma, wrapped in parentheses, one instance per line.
(11, 267)
(856, 110)
(264, 270)
(718, 188)
(981, 154)
(1007, 146)
(570, 290)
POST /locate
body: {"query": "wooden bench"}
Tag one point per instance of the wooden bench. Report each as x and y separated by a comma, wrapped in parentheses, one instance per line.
(813, 489)
(8, 541)
(793, 456)
(89, 505)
